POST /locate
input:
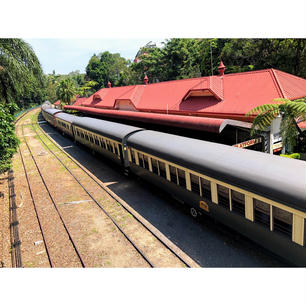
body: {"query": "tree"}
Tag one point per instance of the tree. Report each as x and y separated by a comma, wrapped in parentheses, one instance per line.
(19, 66)
(87, 89)
(20, 71)
(106, 67)
(66, 92)
(288, 55)
(291, 113)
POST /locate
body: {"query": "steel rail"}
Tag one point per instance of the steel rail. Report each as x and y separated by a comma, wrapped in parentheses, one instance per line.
(100, 206)
(115, 197)
(53, 202)
(15, 240)
(36, 212)
(16, 257)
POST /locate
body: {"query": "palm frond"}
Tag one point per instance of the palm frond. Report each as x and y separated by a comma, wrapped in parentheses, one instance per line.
(262, 109)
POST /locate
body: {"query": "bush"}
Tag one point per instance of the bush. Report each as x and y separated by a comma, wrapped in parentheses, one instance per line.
(8, 139)
(293, 155)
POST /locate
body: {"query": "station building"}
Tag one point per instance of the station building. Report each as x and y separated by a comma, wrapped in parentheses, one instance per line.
(210, 108)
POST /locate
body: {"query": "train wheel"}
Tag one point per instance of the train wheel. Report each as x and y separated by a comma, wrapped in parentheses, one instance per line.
(193, 212)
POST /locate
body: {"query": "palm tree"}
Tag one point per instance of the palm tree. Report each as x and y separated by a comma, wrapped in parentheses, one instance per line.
(66, 92)
(291, 113)
(18, 65)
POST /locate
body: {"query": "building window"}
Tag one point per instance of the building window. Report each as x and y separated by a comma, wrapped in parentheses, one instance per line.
(282, 221)
(223, 196)
(238, 202)
(195, 185)
(261, 213)
(205, 188)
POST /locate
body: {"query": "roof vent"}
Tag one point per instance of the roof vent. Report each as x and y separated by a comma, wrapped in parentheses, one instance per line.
(146, 80)
(221, 68)
(109, 84)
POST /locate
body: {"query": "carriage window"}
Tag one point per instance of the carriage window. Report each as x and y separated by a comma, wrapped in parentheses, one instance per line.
(109, 146)
(146, 161)
(223, 196)
(162, 169)
(154, 166)
(140, 158)
(195, 186)
(120, 149)
(262, 212)
(86, 136)
(238, 202)
(173, 174)
(282, 221)
(181, 177)
(133, 156)
(96, 141)
(116, 149)
(205, 187)
(305, 232)
(103, 145)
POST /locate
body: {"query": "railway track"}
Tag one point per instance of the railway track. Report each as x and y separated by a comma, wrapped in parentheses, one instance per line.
(16, 258)
(143, 223)
(45, 240)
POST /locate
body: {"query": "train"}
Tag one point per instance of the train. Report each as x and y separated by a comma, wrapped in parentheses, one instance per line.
(258, 195)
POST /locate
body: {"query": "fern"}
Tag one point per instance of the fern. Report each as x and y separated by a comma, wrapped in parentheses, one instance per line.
(291, 112)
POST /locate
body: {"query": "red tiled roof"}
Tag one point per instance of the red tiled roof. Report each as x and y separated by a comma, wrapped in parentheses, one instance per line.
(228, 96)
(57, 102)
(302, 125)
(79, 101)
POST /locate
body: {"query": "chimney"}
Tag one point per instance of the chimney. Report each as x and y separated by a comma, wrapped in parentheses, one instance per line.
(109, 84)
(146, 80)
(221, 68)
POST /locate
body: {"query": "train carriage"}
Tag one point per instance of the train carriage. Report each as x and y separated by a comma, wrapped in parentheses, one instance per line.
(259, 195)
(49, 115)
(102, 136)
(64, 123)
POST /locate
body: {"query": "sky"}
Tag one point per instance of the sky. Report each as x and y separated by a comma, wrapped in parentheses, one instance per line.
(66, 55)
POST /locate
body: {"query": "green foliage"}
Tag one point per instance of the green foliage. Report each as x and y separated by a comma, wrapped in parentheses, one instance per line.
(66, 91)
(21, 85)
(293, 155)
(87, 89)
(107, 67)
(284, 54)
(19, 70)
(181, 58)
(8, 139)
(290, 111)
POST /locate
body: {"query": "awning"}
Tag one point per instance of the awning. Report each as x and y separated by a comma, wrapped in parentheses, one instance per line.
(213, 125)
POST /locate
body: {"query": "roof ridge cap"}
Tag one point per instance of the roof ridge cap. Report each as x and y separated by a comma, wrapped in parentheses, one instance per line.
(290, 74)
(278, 84)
